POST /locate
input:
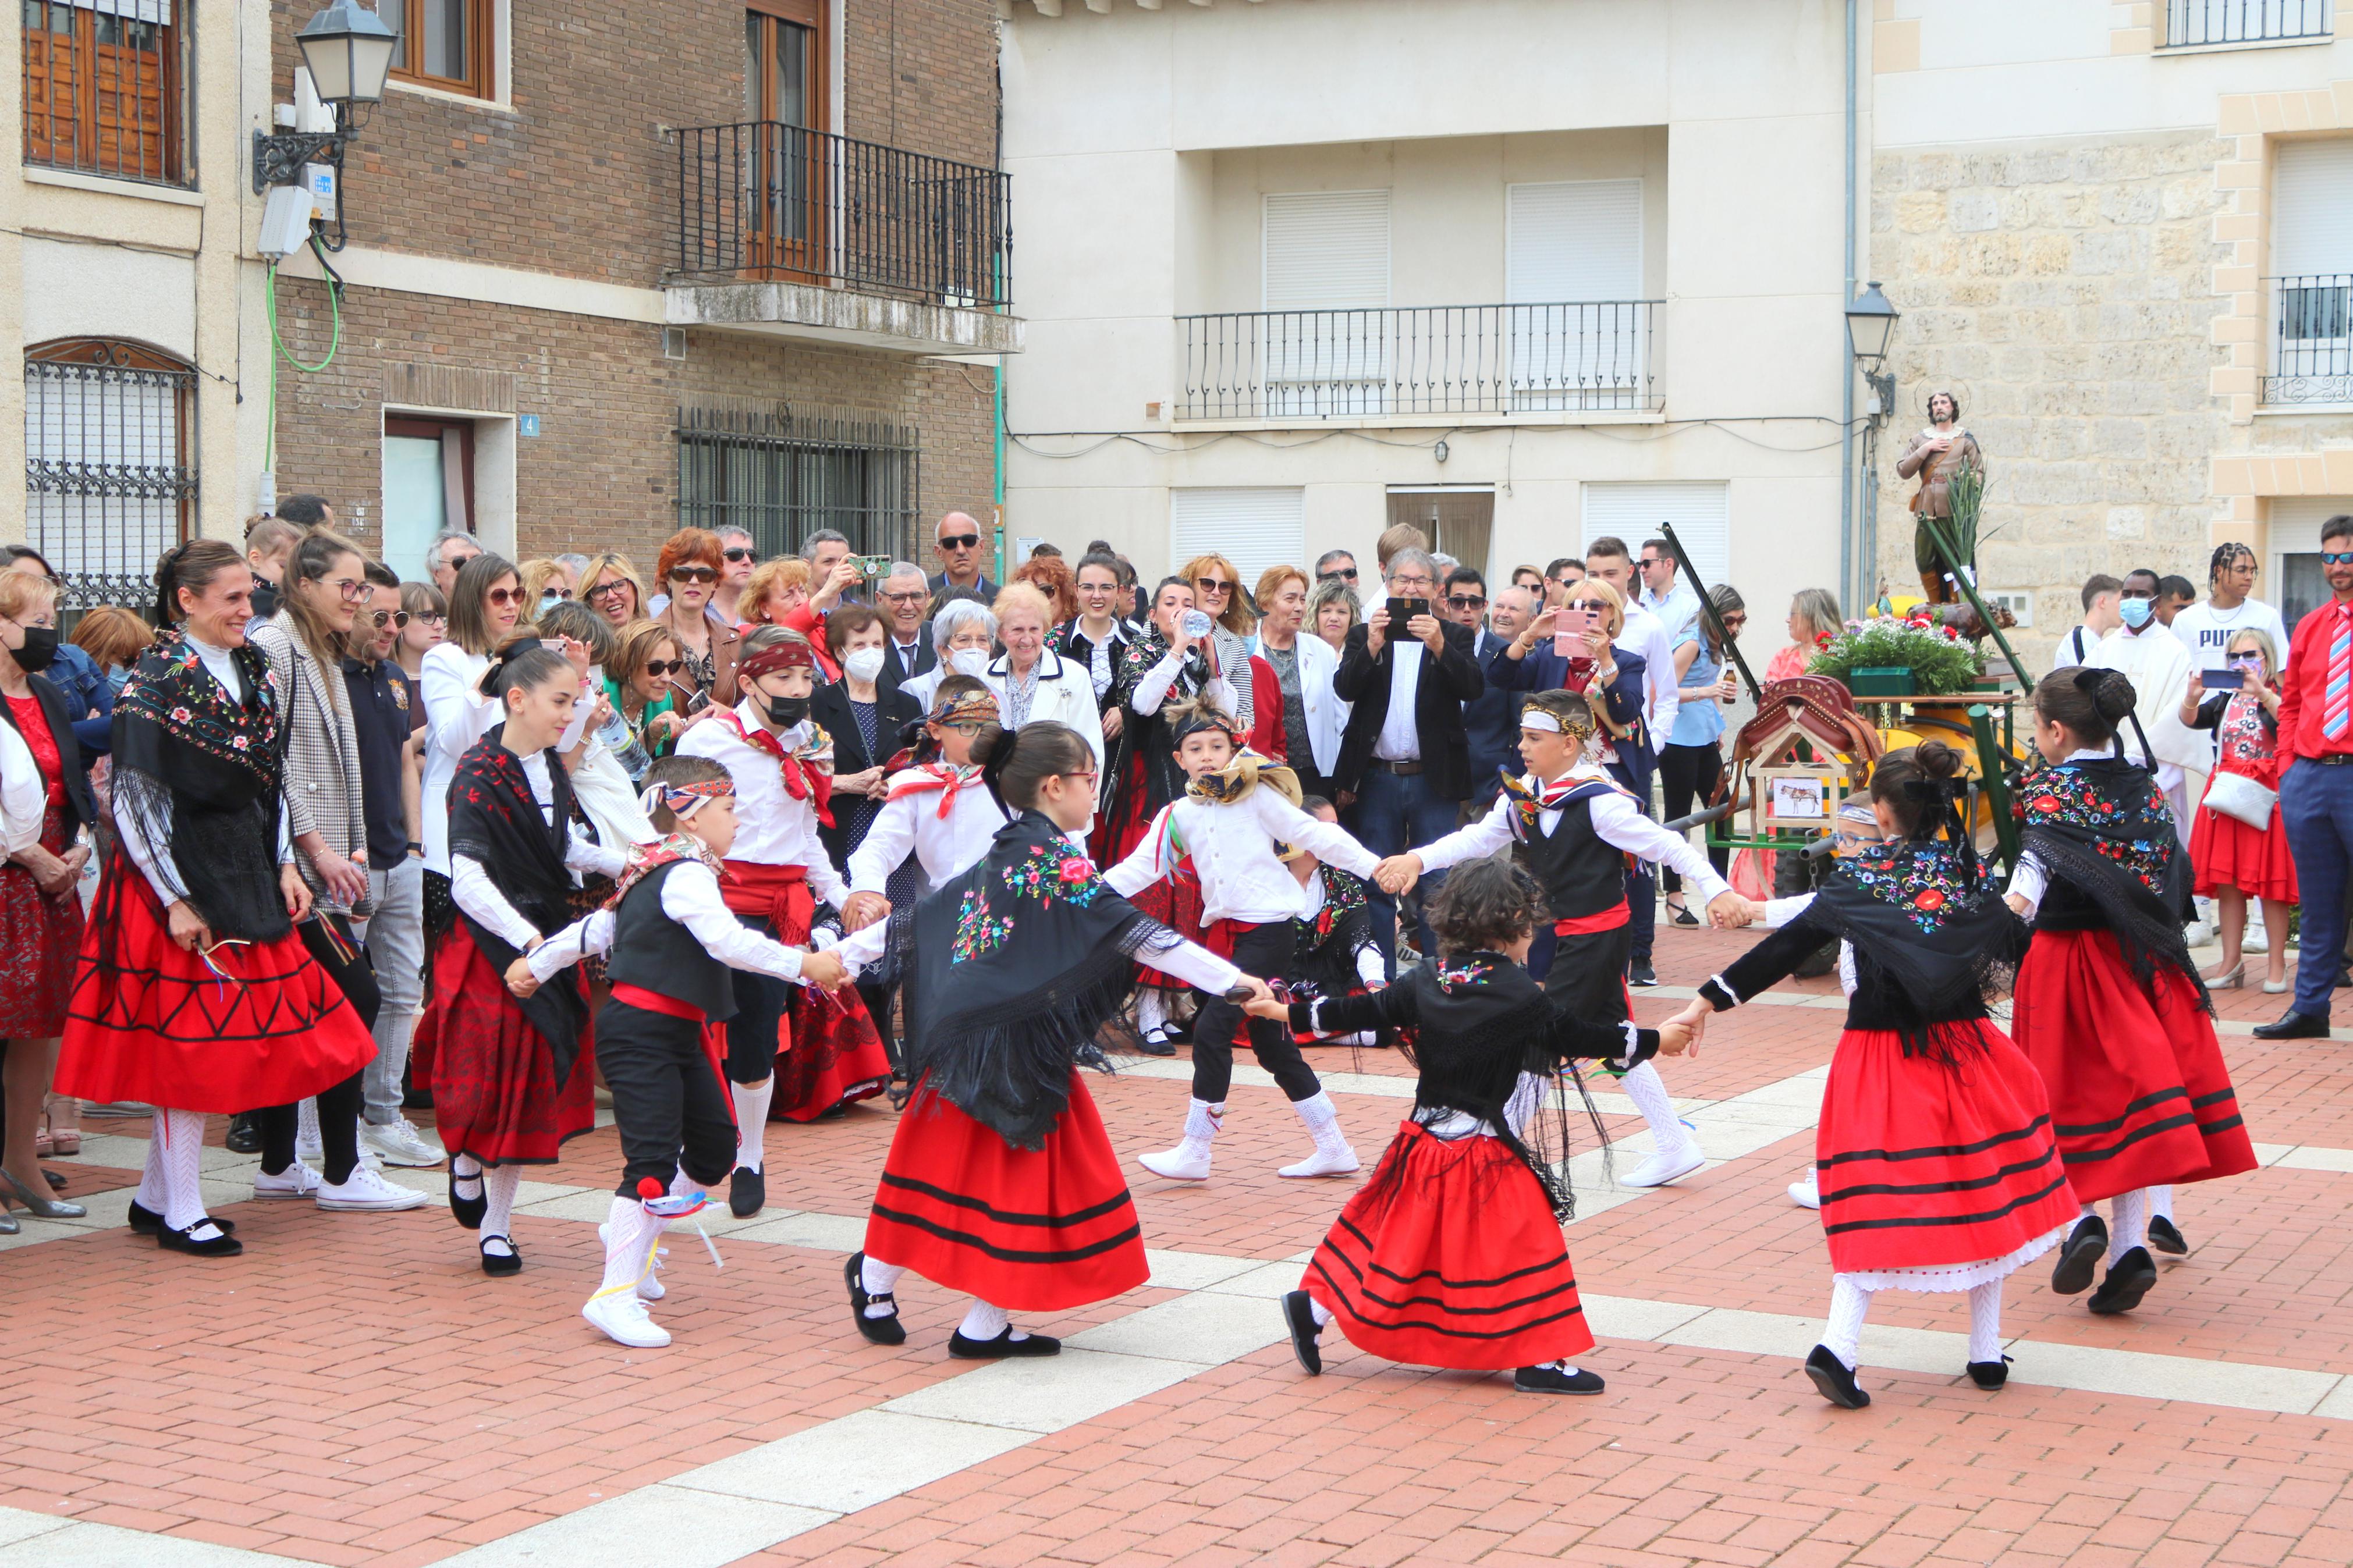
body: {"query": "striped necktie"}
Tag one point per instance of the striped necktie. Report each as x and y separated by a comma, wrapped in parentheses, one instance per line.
(2336, 704)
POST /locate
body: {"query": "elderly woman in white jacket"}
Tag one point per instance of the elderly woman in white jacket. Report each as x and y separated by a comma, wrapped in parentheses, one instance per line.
(1032, 681)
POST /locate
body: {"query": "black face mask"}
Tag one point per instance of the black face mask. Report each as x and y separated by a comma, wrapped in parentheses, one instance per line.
(788, 710)
(41, 648)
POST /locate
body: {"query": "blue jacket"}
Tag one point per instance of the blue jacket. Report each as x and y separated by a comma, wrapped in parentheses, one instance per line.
(1545, 670)
(1491, 721)
(83, 685)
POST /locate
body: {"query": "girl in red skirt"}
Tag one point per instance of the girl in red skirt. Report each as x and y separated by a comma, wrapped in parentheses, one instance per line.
(1451, 1254)
(194, 993)
(1001, 1181)
(1933, 1156)
(509, 1082)
(2233, 860)
(2110, 1007)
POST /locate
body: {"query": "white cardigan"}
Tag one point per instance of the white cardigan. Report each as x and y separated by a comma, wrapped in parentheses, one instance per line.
(1326, 715)
(24, 795)
(1066, 694)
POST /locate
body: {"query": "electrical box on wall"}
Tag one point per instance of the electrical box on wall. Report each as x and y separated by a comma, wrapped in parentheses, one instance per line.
(319, 179)
(285, 221)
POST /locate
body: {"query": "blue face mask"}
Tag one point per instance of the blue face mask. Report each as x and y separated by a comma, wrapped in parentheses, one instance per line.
(2137, 612)
(117, 679)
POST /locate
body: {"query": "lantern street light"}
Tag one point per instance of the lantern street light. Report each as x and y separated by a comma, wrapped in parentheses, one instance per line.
(348, 51)
(1869, 324)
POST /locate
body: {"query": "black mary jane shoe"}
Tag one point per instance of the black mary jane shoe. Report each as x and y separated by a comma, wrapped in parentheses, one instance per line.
(1680, 914)
(147, 1221)
(2080, 1254)
(244, 1135)
(1989, 1374)
(468, 1211)
(2166, 1236)
(747, 1193)
(887, 1330)
(1552, 1380)
(2126, 1283)
(221, 1246)
(1154, 1043)
(496, 1264)
(1835, 1379)
(56, 1183)
(1299, 1315)
(1003, 1346)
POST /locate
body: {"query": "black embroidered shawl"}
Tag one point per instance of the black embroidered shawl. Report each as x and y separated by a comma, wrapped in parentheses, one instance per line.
(1152, 742)
(201, 774)
(2105, 837)
(1325, 945)
(1023, 958)
(495, 819)
(1930, 933)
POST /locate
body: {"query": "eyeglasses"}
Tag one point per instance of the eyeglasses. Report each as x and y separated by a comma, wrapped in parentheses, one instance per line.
(1466, 601)
(960, 542)
(607, 590)
(740, 553)
(909, 596)
(1211, 585)
(694, 574)
(1345, 574)
(1089, 775)
(355, 592)
(384, 618)
(1733, 623)
(1410, 587)
(559, 593)
(503, 596)
(2337, 558)
(426, 617)
(657, 668)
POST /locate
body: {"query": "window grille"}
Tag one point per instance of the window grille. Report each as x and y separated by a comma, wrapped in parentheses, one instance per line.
(110, 483)
(781, 476)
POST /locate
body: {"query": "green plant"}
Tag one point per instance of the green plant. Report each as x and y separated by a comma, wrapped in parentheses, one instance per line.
(1939, 661)
(1966, 490)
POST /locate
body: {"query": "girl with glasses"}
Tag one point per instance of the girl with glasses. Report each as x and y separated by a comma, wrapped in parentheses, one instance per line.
(2234, 862)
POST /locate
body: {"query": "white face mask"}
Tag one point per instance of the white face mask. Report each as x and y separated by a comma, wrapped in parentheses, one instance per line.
(970, 661)
(864, 664)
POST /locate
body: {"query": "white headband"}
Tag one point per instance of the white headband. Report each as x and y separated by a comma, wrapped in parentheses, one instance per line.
(1538, 719)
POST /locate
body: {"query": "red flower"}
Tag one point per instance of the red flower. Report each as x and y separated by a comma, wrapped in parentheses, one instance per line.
(1928, 899)
(2046, 804)
(1076, 870)
(1824, 640)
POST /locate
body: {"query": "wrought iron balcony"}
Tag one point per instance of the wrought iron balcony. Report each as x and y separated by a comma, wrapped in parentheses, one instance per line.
(2189, 24)
(768, 202)
(2312, 339)
(1585, 356)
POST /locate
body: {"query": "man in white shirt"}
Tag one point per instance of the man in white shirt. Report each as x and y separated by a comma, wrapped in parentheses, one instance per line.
(1663, 594)
(2101, 593)
(2206, 630)
(1643, 633)
(2160, 670)
(907, 651)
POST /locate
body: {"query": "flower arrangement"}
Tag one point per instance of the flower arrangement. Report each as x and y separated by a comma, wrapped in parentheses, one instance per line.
(1939, 660)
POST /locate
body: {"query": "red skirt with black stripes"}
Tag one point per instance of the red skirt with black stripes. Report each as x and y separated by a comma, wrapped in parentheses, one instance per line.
(1449, 1255)
(1926, 1165)
(1031, 1230)
(2139, 1094)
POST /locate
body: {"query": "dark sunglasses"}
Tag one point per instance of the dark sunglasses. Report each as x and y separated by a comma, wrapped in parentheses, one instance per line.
(559, 593)
(390, 617)
(2337, 558)
(659, 668)
(960, 542)
(1345, 574)
(740, 553)
(1466, 601)
(694, 574)
(503, 596)
(1211, 585)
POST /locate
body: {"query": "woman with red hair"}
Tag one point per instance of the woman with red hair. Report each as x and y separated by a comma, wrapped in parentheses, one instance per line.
(688, 570)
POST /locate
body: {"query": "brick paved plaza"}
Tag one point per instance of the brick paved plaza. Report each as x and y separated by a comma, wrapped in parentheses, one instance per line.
(354, 1391)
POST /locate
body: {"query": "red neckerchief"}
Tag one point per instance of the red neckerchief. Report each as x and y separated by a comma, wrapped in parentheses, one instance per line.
(803, 780)
(945, 777)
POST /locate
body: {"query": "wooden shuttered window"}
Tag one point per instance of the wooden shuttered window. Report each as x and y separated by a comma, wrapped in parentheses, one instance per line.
(104, 87)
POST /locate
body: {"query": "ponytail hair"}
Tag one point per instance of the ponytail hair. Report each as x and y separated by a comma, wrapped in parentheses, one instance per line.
(193, 566)
(1016, 764)
(1920, 785)
(521, 666)
(2090, 702)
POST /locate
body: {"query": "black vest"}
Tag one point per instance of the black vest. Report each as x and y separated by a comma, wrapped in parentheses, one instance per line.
(1582, 872)
(654, 952)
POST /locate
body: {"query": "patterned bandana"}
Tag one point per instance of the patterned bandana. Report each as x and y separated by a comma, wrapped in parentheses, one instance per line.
(645, 859)
(685, 800)
(793, 653)
(1241, 775)
(964, 708)
(807, 769)
(1530, 800)
(945, 777)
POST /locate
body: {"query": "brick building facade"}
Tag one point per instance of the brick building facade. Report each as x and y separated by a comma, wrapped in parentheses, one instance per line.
(513, 260)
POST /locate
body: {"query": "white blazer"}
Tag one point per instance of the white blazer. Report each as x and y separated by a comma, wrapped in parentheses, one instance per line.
(1066, 694)
(24, 796)
(1326, 715)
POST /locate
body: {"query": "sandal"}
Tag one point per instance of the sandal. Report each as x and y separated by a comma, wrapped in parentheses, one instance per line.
(1681, 914)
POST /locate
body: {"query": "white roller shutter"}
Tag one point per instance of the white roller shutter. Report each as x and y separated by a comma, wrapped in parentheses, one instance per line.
(1254, 528)
(1632, 512)
(2312, 200)
(1326, 250)
(1572, 273)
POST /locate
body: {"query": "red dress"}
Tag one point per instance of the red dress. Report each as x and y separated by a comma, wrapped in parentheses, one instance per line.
(2224, 852)
(828, 1052)
(493, 1074)
(40, 935)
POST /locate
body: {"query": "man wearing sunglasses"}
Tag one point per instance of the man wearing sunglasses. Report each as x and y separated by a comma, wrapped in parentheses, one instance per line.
(1338, 563)
(738, 554)
(1491, 721)
(2315, 791)
(960, 538)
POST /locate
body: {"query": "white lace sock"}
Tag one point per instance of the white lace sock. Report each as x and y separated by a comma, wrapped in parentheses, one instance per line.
(150, 1196)
(2160, 1202)
(1985, 1321)
(1151, 1010)
(182, 1135)
(499, 1185)
(876, 1278)
(751, 1120)
(630, 1236)
(1850, 1304)
(465, 1172)
(306, 1125)
(2130, 1227)
(983, 1321)
(1649, 1092)
(1324, 1314)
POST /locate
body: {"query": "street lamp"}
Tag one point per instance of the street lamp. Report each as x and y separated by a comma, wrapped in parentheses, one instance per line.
(348, 51)
(1870, 322)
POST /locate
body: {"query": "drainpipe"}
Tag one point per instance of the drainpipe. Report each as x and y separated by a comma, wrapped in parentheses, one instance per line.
(1849, 574)
(1000, 467)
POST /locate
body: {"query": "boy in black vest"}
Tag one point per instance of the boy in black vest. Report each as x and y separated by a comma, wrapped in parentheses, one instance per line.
(1576, 829)
(671, 941)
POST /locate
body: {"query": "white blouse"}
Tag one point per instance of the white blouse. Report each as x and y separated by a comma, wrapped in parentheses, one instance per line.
(478, 897)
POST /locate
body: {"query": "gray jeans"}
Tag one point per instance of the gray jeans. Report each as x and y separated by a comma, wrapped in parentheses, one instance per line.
(395, 946)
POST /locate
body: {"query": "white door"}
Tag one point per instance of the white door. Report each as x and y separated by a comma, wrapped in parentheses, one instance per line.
(1323, 338)
(416, 499)
(1576, 333)
(1252, 528)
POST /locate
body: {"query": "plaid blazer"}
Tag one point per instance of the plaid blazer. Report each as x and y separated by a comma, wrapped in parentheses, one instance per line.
(324, 792)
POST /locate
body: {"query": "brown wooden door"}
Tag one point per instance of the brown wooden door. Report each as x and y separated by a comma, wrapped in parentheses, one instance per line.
(789, 159)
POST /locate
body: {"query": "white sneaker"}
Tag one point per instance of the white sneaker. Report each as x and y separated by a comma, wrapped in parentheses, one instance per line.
(2257, 940)
(1805, 1194)
(296, 1180)
(398, 1143)
(2198, 933)
(651, 1287)
(1188, 1162)
(367, 1190)
(621, 1316)
(1336, 1161)
(310, 1149)
(1664, 1166)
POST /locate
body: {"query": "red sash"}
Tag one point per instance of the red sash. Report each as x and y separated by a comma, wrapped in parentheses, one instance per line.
(1610, 919)
(776, 894)
(1220, 937)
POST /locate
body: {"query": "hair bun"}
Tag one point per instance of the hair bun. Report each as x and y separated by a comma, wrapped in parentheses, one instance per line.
(1938, 760)
(2113, 696)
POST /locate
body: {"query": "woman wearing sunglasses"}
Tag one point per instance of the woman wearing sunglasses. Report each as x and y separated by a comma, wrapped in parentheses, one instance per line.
(643, 688)
(689, 568)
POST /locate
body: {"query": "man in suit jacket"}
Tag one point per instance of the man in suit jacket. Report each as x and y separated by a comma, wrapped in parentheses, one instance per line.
(903, 598)
(1491, 721)
(1405, 762)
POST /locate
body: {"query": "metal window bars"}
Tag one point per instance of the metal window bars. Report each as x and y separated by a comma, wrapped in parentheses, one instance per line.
(782, 475)
(107, 484)
(1565, 357)
(105, 85)
(2312, 339)
(764, 201)
(2190, 23)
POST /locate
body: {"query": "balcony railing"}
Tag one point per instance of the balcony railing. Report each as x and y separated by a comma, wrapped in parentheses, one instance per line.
(2189, 23)
(768, 202)
(2312, 339)
(1586, 356)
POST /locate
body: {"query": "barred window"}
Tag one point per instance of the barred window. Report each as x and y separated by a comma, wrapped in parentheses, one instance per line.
(109, 481)
(105, 88)
(781, 476)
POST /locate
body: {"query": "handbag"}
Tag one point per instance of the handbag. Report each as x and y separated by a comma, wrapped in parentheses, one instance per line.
(2237, 796)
